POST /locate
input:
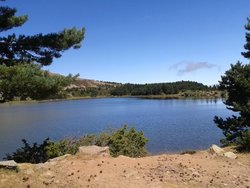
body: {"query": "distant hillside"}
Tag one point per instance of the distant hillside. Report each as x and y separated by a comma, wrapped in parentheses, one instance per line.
(87, 83)
(90, 88)
(180, 89)
(159, 88)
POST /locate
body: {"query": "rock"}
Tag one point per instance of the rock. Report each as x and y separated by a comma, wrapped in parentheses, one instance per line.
(11, 164)
(94, 151)
(59, 158)
(216, 150)
(230, 155)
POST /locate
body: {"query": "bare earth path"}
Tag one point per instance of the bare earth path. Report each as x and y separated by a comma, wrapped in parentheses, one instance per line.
(167, 170)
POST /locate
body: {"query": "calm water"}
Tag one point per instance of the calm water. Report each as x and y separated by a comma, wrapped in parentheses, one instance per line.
(170, 125)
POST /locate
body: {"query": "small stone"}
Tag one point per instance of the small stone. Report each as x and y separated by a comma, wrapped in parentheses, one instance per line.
(214, 149)
(230, 155)
(94, 151)
(11, 164)
(48, 174)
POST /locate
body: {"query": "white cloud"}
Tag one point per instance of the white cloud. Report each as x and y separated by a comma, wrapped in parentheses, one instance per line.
(187, 67)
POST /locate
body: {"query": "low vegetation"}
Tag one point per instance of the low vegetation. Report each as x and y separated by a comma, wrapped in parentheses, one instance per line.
(123, 141)
(244, 142)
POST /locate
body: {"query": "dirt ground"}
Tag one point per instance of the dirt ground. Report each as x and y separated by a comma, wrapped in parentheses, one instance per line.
(168, 170)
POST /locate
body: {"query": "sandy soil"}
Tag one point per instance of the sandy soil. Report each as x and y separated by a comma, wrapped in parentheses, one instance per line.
(168, 170)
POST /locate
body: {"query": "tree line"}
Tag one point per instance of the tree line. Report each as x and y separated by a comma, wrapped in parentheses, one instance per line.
(158, 88)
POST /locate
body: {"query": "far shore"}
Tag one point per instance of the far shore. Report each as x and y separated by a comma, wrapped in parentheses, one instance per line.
(163, 97)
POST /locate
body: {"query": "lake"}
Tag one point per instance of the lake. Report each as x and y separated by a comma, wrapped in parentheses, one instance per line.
(170, 125)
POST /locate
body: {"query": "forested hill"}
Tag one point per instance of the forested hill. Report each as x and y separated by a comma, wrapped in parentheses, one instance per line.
(159, 88)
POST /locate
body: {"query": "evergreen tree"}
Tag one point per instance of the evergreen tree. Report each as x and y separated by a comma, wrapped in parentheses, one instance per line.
(29, 81)
(236, 82)
(38, 48)
(247, 45)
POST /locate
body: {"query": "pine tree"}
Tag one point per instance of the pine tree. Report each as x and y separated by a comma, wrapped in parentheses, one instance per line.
(247, 45)
(236, 82)
(38, 48)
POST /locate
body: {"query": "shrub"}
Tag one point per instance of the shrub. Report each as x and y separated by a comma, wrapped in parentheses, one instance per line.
(124, 141)
(127, 142)
(33, 154)
(56, 149)
(244, 142)
(103, 139)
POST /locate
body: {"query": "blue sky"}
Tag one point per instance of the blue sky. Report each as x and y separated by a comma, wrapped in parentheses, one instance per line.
(143, 41)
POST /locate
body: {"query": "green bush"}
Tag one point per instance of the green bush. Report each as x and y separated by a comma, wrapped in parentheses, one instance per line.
(32, 154)
(123, 141)
(103, 139)
(127, 142)
(56, 149)
(244, 142)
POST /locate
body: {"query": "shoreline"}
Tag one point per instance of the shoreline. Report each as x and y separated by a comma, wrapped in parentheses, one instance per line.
(157, 97)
